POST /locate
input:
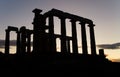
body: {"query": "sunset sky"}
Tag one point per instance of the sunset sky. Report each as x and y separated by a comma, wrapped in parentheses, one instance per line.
(104, 13)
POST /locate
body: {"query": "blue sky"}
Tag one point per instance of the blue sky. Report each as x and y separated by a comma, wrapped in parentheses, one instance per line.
(104, 13)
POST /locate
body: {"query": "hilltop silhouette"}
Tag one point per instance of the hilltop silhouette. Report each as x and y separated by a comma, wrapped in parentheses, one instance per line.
(44, 59)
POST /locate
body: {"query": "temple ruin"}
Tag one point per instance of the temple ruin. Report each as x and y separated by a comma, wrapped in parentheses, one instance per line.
(45, 42)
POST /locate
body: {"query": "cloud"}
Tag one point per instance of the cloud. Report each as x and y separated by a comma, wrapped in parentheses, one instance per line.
(2, 43)
(12, 43)
(109, 46)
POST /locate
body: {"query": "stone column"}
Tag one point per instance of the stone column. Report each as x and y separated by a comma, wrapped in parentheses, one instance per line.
(74, 37)
(37, 46)
(18, 42)
(101, 52)
(63, 35)
(92, 39)
(28, 42)
(23, 40)
(7, 42)
(84, 40)
(52, 41)
(68, 45)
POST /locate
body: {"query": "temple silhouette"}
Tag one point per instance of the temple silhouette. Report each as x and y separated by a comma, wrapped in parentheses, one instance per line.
(44, 43)
(44, 56)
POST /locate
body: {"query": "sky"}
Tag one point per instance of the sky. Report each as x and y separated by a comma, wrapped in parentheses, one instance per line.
(104, 13)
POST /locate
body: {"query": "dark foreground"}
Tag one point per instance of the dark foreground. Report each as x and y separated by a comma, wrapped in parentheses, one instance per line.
(74, 65)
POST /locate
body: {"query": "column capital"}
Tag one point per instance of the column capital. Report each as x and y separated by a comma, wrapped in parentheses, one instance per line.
(7, 30)
(17, 31)
(23, 28)
(50, 15)
(91, 25)
(73, 20)
(29, 31)
(61, 17)
(82, 22)
(37, 11)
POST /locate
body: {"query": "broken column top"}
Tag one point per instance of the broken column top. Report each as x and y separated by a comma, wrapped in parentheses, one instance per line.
(37, 10)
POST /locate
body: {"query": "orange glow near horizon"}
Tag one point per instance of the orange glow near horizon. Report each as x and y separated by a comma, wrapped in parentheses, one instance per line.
(114, 57)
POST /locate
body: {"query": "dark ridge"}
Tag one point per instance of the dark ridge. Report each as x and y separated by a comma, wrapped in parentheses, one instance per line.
(60, 64)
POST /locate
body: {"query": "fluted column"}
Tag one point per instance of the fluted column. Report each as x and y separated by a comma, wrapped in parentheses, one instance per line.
(63, 35)
(28, 43)
(101, 52)
(52, 41)
(92, 39)
(18, 42)
(74, 37)
(7, 42)
(38, 32)
(23, 40)
(68, 45)
(84, 40)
